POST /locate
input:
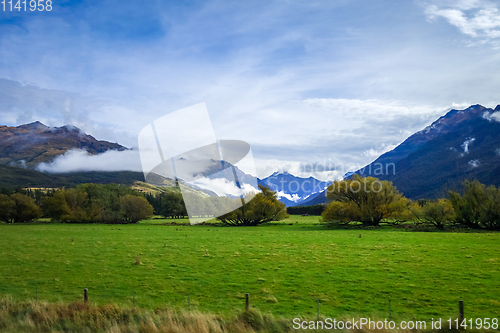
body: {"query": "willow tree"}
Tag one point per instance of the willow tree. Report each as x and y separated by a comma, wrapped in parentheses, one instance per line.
(478, 207)
(438, 213)
(264, 207)
(366, 200)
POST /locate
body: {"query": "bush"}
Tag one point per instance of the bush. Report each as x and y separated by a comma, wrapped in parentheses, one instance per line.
(25, 209)
(438, 213)
(264, 207)
(478, 207)
(340, 212)
(135, 208)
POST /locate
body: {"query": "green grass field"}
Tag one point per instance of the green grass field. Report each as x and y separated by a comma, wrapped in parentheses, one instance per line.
(284, 267)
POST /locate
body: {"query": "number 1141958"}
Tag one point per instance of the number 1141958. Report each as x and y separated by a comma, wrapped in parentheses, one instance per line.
(479, 323)
(25, 5)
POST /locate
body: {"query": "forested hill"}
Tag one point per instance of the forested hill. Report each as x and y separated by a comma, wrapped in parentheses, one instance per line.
(21, 177)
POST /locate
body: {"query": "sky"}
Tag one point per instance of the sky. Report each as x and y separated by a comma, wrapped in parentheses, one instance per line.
(315, 87)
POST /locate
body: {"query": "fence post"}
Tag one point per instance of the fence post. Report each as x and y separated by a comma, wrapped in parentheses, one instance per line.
(390, 312)
(246, 301)
(461, 309)
(85, 295)
(317, 301)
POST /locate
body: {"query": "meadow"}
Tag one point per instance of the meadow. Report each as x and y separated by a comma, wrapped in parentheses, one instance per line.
(285, 267)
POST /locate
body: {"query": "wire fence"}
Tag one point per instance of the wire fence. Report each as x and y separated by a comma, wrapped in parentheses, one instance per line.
(86, 297)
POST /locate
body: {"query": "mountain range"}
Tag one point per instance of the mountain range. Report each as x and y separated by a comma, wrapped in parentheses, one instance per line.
(293, 190)
(22, 148)
(463, 144)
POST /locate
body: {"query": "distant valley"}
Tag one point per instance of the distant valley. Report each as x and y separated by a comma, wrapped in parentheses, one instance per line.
(463, 144)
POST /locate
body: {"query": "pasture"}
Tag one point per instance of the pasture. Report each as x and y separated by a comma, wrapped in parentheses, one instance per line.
(284, 266)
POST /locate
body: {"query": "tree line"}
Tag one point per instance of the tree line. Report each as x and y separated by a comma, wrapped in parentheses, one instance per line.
(263, 207)
(111, 203)
(87, 203)
(369, 201)
(317, 209)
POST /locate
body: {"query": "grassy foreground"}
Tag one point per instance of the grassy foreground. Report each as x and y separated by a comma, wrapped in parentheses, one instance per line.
(34, 317)
(285, 268)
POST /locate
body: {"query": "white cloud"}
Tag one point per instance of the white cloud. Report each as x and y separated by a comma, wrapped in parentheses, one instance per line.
(477, 19)
(492, 116)
(224, 187)
(333, 136)
(80, 160)
(466, 144)
(19, 164)
(25, 103)
(322, 169)
(474, 163)
(383, 148)
(294, 197)
(301, 81)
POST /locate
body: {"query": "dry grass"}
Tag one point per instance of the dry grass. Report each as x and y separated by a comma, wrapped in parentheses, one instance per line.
(31, 316)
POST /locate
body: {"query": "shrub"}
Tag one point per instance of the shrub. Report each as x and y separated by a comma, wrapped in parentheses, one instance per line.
(135, 208)
(438, 213)
(25, 209)
(264, 207)
(478, 207)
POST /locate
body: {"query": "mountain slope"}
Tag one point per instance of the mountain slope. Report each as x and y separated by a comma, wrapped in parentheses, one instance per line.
(13, 177)
(441, 126)
(23, 147)
(315, 199)
(463, 144)
(21, 177)
(33, 143)
(224, 169)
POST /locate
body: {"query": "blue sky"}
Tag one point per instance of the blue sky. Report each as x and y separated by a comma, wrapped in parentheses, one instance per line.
(304, 82)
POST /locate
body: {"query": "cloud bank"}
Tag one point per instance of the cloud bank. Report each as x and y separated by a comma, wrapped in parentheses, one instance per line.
(321, 82)
(224, 187)
(492, 116)
(78, 160)
(294, 197)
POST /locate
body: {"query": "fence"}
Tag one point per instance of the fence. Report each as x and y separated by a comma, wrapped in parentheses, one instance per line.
(247, 303)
